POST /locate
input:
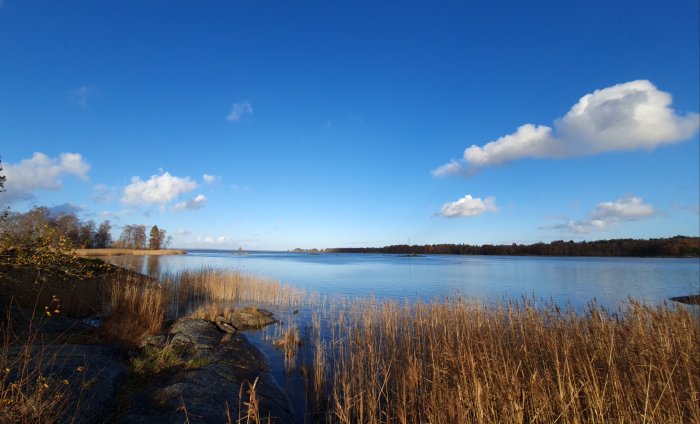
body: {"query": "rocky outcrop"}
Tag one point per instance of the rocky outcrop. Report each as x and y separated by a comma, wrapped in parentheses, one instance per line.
(211, 381)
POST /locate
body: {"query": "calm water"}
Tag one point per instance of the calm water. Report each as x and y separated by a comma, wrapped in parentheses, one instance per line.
(610, 281)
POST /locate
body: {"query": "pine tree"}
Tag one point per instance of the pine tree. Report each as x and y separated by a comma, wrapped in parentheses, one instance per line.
(155, 240)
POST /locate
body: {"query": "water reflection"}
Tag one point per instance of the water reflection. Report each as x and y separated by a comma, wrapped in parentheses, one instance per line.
(610, 281)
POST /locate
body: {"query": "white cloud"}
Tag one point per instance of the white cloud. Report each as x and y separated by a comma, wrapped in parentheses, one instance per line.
(207, 242)
(183, 232)
(607, 215)
(468, 206)
(196, 203)
(238, 110)
(40, 173)
(158, 189)
(81, 95)
(630, 116)
(211, 179)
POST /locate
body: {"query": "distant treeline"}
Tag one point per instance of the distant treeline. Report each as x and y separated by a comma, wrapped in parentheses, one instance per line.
(679, 246)
(26, 228)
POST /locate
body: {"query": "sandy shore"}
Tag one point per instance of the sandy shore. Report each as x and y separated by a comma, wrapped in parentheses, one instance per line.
(122, 252)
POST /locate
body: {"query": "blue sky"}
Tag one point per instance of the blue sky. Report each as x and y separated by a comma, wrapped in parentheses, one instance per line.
(322, 124)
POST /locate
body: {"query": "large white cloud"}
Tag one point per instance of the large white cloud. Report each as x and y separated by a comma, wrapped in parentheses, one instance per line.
(630, 116)
(607, 215)
(196, 203)
(158, 189)
(468, 206)
(40, 172)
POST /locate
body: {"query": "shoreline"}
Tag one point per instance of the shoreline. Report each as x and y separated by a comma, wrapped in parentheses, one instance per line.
(94, 253)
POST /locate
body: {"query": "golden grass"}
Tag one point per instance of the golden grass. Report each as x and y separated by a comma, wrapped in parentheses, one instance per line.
(30, 392)
(133, 307)
(124, 252)
(189, 290)
(289, 340)
(454, 362)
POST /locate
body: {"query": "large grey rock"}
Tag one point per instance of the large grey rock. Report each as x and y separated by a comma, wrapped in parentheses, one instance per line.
(215, 369)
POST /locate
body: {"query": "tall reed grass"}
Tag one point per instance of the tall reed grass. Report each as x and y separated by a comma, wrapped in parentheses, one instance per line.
(133, 306)
(455, 362)
(188, 290)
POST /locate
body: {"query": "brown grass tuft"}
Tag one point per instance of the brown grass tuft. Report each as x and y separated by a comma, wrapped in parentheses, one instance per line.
(133, 307)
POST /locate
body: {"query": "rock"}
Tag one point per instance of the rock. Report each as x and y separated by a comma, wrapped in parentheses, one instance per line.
(693, 299)
(251, 317)
(224, 325)
(215, 370)
(157, 340)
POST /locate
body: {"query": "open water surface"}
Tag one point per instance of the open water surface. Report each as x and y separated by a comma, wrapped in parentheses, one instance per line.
(563, 280)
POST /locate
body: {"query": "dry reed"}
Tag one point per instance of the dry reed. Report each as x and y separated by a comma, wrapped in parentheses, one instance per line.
(449, 362)
(189, 290)
(133, 307)
(30, 390)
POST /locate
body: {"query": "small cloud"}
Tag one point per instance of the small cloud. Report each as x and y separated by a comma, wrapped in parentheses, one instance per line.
(607, 215)
(196, 203)
(238, 110)
(40, 172)
(630, 116)
(183, 232)
(207, 242)
(103, 194)
(468, 206)
(159, 189)
(211, 179)
(65, 209)
(82, 95)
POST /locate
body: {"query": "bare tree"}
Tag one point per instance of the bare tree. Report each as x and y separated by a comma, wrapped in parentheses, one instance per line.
(2, 179)
(139, 236)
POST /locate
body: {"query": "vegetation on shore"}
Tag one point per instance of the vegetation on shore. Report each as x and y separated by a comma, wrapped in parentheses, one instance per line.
(678, 246)
(76, 234)
(124, 252)
(451, 361)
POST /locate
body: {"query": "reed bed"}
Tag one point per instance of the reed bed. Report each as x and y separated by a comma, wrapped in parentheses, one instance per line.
(452, 361)
(188, 290)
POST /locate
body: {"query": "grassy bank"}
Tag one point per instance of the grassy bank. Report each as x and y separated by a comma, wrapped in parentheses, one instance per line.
(123, 252)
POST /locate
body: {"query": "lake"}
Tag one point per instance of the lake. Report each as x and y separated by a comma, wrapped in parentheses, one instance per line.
(563, 280)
